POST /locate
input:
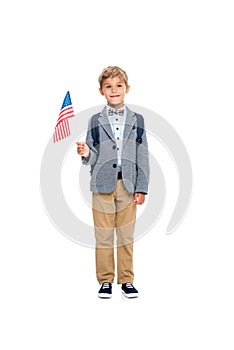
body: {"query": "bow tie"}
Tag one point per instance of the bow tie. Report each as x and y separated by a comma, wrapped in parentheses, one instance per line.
(116, 112)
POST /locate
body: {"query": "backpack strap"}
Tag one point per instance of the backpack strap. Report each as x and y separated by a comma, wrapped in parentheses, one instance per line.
(95, 129)
(140, 128)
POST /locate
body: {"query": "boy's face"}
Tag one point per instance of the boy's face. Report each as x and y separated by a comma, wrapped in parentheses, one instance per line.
(114, 90)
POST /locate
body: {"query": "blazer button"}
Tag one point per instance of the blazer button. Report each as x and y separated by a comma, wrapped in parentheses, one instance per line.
(114, 147)
(114, 165)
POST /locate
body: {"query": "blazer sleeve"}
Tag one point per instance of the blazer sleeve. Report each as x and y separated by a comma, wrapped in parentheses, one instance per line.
(93, 153)
(142, 164)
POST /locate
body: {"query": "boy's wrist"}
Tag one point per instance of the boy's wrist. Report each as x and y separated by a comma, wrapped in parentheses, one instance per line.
(86, 158)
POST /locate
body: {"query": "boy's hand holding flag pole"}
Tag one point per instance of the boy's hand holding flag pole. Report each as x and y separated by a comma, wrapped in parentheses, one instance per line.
(62, 129)
(82, 149)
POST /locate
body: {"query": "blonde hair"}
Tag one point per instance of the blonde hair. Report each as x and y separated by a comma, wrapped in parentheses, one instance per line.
(111, 72)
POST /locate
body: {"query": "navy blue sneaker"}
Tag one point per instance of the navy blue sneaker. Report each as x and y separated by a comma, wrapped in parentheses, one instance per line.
(105, 291)
(129, 290)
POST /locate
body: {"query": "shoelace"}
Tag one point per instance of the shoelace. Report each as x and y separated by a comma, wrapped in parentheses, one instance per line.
(129, 285)
(105, 285)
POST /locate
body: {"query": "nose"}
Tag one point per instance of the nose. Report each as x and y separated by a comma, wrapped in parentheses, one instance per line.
(114, 89)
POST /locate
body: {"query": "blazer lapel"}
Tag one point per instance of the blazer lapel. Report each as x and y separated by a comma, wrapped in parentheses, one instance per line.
(104, 121)
(130, 121)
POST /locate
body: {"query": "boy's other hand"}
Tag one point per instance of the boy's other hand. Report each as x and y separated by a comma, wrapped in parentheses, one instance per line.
(82, 149)
(139, 198)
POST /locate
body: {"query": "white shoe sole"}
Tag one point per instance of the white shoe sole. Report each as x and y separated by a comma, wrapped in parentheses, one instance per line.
(130, 295)
(104, 295)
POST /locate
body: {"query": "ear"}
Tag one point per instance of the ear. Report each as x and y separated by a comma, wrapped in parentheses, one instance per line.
(127, 89)
(101, 92)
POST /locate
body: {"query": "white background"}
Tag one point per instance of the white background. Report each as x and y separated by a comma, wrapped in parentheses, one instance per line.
(179, 57)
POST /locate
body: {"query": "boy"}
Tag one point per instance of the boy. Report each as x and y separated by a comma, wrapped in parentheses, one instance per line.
(116, 149)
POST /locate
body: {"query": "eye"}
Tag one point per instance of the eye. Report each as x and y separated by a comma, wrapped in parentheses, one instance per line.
(108, 86)
(119, 85)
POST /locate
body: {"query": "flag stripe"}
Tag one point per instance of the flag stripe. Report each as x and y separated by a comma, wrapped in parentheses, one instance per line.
(63, 129)
(59, 133)
(66, 111)
(68, 116)
(66, 127)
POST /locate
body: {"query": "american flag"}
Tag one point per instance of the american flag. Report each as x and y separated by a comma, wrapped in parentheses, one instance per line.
(62, 128)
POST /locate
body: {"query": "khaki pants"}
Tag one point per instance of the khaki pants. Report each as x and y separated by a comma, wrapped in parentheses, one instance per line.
(114, 211)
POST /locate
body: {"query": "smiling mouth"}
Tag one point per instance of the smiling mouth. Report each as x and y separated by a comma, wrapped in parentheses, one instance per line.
(114, 95)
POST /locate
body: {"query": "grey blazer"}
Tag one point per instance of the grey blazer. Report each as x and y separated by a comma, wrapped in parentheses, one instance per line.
(103, 159)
